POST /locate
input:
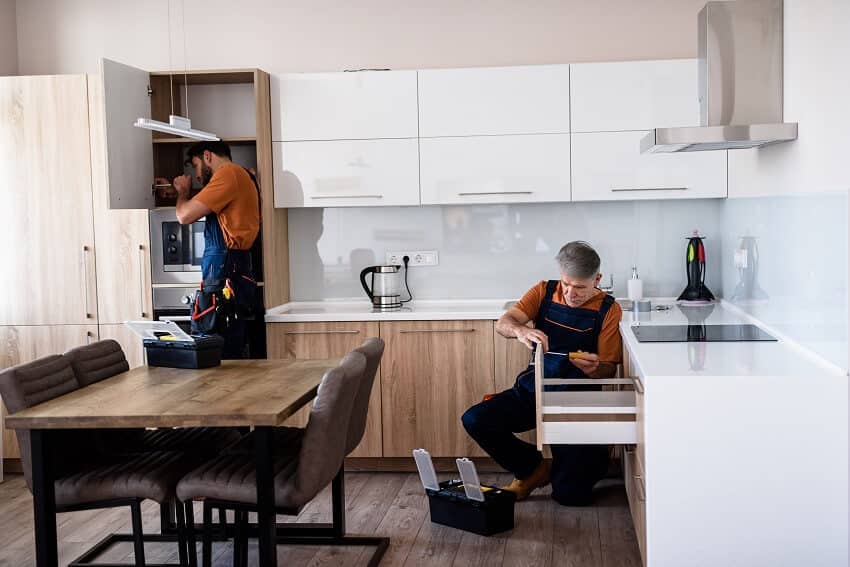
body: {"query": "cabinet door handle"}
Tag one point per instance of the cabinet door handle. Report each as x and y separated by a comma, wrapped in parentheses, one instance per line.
(88, 337)
(495, 193)
(142, 280)
(322, 333)
(408, 331)
(623, 189)
(86, 281)
(638, 385)
(346, 196)
(639, 483)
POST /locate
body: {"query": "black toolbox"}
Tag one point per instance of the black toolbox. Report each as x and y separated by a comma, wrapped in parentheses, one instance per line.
(202, 352)
(450, 507)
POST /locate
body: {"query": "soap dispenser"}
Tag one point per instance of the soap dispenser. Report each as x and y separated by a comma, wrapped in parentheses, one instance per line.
(635, 286)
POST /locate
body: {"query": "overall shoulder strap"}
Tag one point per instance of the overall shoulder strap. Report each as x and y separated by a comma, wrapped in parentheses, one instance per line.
(607, 302)
(551, 286)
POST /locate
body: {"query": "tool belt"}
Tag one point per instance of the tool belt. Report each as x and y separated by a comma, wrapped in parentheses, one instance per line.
(221, 302)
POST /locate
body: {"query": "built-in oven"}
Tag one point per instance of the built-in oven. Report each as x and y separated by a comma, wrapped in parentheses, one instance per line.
(176, 249)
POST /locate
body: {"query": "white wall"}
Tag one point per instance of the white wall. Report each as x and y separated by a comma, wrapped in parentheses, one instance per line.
(69, 36)
(816, 95)
(794, 196)
(8, 38)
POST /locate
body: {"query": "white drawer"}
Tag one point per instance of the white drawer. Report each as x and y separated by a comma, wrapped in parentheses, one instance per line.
(588, 418)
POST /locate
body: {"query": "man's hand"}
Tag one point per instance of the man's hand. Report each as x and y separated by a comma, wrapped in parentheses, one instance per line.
(529, 337)
(183, 185)
(164, 189)
(588, 363)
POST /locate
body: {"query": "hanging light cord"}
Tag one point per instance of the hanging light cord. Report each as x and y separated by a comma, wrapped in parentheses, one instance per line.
(185, 75)
(170, 75)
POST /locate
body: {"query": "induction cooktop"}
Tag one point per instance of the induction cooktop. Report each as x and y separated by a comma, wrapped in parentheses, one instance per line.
(699, 333)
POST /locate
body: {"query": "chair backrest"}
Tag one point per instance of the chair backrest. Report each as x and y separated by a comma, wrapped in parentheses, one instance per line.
(30, 384)
(97, 361)
(372, 349)
(323, 446)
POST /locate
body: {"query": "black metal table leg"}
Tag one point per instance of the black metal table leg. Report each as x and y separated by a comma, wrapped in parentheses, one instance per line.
(44, 499)
(265, 496)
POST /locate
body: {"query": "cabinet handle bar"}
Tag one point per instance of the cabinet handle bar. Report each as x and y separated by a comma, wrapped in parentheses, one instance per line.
(346, 196)
(86, 281)
(623, 189)
(408, 331)
(142, 280)
(322, 332)
(467, 194)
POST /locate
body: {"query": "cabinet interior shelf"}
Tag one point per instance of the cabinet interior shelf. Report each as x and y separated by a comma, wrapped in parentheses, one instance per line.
(235, 140)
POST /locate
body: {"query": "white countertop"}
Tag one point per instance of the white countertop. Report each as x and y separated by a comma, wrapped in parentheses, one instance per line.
(361, 310)
(781, 358)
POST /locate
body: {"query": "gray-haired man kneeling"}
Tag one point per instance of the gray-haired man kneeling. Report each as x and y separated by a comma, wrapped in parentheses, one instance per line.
(570, 314)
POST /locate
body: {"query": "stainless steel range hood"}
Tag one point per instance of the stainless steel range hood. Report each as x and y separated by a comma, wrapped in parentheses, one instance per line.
(740, 82)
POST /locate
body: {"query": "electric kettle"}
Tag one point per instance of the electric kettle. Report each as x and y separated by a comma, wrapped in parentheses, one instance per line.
(385, 291)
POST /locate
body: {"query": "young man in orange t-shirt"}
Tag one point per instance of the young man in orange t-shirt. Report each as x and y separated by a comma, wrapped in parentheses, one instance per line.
(570, 315)
(230, 205)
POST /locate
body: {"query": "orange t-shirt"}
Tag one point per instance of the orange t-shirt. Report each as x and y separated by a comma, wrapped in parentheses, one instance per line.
(233, 197)
(610, 343)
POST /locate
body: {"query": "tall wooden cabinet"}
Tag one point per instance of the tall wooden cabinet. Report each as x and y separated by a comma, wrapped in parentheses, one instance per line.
(46, 218)
(432, 371)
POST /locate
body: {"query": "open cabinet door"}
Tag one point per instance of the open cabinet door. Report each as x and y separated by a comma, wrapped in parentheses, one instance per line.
(129, 150)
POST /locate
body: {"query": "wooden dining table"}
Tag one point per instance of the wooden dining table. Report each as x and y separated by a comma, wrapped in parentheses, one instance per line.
(239, 393)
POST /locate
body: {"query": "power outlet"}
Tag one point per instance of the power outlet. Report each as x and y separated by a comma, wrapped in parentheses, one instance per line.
(417, 258)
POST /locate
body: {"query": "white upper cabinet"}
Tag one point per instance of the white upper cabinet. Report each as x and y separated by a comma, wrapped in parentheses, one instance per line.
(346, 173)
(609, 166)
(633, 95)
(494, 100)
(129, 153)
(344, 106)
(495, 169)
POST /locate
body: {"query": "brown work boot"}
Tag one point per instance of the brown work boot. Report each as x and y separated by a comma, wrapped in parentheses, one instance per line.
(537, 479)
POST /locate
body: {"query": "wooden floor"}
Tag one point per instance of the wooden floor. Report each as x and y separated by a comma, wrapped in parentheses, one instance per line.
(388, 504)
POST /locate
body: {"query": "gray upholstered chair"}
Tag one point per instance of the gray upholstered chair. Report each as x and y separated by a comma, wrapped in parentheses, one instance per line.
(229, 481)
(103, 359)
(85, 479)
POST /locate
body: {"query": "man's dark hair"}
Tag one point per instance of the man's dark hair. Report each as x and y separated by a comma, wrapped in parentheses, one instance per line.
(221, 149)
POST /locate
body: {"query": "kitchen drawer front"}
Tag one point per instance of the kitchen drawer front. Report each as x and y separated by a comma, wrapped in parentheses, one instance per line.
(495, 169)
(608, 166)
(531, 99)
(346, 173)
(633, 95)
(344, 106)
(595, 417)
(636, 494)
(630, 371)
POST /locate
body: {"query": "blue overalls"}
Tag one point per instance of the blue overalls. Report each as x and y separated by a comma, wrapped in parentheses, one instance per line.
(219, 263)
(492, 423)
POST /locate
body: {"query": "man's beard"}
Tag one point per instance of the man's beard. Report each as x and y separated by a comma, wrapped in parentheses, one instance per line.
(206, 175)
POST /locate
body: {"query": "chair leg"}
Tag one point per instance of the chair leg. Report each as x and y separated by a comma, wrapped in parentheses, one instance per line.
(206, 545)
(138, 535)
(222, 521)
(338, 503)
(243, 547)
(237, 539)
(181, 534)
(191, 546)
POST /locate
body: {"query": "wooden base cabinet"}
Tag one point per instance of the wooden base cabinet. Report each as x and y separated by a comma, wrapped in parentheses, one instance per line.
(432, 372)
(329, 340)
(26, 343)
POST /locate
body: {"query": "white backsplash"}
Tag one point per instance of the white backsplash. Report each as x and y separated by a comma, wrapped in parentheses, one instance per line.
(802, 266)
(499, 251)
